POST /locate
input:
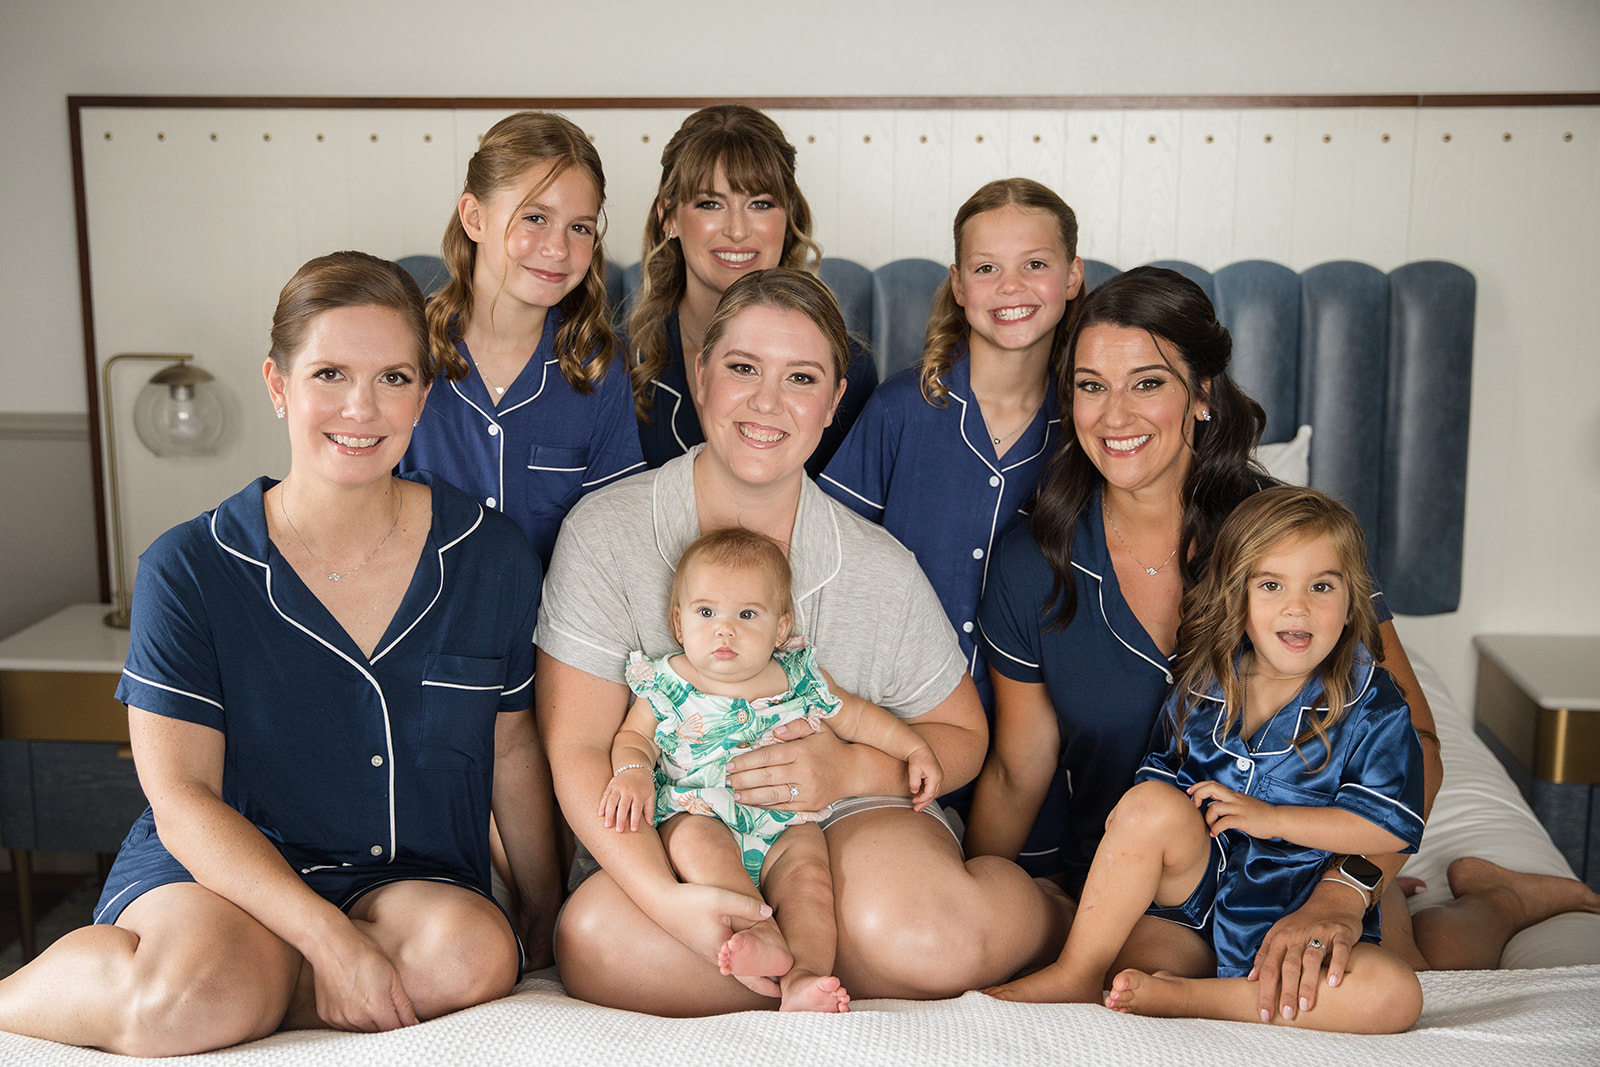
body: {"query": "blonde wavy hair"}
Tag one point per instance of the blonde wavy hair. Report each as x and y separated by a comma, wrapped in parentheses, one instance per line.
(513, 145)
(756, 158)
(947, 321)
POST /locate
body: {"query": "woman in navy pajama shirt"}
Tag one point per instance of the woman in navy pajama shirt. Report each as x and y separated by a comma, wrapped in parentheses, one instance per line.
(328, 684)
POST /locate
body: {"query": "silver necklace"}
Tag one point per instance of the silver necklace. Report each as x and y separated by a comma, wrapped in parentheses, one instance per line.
(1018, 428)
(1152, 571)
(335, 576)
(499, 390)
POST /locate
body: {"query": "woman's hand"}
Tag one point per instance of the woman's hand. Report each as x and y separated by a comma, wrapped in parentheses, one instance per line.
(629, 797)
(1229, 810)
(1288, 964)
(358, 988)
(704, 917)
(814, 763)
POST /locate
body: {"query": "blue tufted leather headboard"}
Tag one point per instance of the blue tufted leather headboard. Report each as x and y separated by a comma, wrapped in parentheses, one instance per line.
(1379, 364)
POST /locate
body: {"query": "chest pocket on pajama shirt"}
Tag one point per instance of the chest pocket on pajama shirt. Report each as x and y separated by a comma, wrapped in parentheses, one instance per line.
(460, 702)
(556, 478)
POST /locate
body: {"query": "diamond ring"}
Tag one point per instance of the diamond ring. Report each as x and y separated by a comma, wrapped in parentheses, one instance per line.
(794, 791)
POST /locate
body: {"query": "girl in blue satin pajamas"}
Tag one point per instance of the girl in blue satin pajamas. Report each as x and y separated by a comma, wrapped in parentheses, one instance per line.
(1282, 746)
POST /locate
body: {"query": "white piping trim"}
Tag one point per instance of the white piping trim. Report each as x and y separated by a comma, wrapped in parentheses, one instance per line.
(1003, 652)
(603, 479)
(1387, 800)
(499, 438)
(525, 684)
(172, 689)
(845, 488)
(458, 685)
(110, 903)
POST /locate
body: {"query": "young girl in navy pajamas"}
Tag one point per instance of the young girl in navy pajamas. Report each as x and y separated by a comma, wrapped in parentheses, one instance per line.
(1282, 745)
(947, 454)
(533, 414)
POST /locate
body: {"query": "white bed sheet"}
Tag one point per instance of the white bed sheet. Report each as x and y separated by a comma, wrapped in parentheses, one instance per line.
(1548, 1016)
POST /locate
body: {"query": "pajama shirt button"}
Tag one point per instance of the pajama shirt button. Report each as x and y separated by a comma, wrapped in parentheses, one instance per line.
(994, 480)
(1242, 763)
(494, 431)
(743, 716)
(377, 850)
(977, 553)
(489, 501)
(966, 627)
(377, 761)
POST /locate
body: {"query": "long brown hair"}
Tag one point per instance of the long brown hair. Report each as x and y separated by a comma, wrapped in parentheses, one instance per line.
(1170, 307)
(512, 146)
(1211, 634)
(756, 158)
(947, 322)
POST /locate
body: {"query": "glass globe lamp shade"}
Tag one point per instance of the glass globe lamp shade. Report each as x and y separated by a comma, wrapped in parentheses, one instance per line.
(177, 414)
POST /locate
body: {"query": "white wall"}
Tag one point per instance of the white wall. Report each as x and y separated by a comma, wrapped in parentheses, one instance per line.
(1546, 453)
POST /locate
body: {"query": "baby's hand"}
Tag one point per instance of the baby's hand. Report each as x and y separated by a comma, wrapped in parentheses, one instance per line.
(629, 797)
(925, 775)
(1234, 811)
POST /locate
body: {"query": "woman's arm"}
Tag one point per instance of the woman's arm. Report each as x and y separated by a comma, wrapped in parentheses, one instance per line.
(1398, 664)
(1016, 776)
(180, 769)
(524, 812)
(579, 715)
(825, 770)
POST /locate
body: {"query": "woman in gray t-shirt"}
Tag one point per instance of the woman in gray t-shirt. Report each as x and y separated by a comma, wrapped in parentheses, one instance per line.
(915, 919)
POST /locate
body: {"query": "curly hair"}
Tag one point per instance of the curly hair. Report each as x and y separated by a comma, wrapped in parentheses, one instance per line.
(947, 321)
(1212, 635)
(585, 345)
(1176, 313)
(756, 158)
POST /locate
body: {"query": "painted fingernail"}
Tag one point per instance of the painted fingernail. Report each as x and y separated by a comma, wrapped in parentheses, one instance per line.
(1288, 1011)
(1303, 1004)
(1266, 1016)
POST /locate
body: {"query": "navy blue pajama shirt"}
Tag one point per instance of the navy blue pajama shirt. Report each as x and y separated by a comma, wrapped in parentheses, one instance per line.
(361, 771)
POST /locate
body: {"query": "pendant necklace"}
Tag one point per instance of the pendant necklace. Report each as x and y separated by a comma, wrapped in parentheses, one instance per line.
(336, 576)
(1152, 571)
(1018, 428)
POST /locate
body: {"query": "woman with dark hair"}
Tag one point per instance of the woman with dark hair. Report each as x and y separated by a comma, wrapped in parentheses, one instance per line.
(1080, 621)
(727, 206)
(328, 689)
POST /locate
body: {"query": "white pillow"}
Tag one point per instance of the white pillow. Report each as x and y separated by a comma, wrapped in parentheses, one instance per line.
(1290, 461)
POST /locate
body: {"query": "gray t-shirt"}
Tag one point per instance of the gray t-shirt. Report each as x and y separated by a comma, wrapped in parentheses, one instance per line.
(860, 597)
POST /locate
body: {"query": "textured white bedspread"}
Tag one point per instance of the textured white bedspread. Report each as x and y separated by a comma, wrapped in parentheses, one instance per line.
(1546, 1017)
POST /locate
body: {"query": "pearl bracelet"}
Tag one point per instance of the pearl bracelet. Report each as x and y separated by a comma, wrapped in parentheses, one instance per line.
(631, 767)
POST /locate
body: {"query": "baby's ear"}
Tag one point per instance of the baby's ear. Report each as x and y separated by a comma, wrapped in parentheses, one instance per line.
(785, 624)
(677, 627)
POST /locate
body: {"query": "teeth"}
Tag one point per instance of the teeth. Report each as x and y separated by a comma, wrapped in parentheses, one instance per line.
(765, 437)
(1127, 445)
(354, 442)
(736, 257)
(1014, 314)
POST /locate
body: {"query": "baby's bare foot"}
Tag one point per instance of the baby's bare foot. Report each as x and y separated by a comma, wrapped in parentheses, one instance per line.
(811, 993)
(1531, 897)
(1160, 994)
(759, 951)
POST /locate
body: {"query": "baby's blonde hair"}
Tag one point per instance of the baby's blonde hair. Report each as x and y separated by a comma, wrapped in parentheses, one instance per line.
(741, 549)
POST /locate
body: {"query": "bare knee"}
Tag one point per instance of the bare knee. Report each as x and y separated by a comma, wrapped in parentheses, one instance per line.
(1388, 993)
(458, 957)
(1153, 808)
(698, 847)
(177, 1010)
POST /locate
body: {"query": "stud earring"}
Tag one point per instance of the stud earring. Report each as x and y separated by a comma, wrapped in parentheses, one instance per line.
(281, 412)
(1205, 415)
(672, 235)
(416, 422)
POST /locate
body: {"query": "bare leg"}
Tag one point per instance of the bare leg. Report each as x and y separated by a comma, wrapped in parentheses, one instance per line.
(704, 851)
(799, 886)
(183, 971)
(1379, 995)
(1155, 848)
(1491, 906)
(917, 922)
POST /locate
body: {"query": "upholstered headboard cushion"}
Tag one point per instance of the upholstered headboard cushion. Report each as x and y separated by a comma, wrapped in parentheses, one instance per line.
(1380, 365)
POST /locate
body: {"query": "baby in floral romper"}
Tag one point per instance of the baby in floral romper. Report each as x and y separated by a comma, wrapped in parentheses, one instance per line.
(730, 610)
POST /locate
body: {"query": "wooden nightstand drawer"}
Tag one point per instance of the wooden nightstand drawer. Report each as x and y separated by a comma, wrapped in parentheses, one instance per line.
(69, 796)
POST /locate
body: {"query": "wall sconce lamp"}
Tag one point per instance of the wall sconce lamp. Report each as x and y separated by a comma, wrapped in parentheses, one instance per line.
(175, 414)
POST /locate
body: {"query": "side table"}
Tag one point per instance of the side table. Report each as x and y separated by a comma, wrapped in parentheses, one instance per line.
(67, 781)
(1538, 710)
